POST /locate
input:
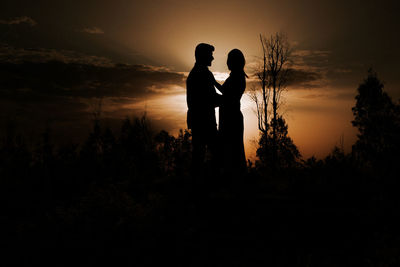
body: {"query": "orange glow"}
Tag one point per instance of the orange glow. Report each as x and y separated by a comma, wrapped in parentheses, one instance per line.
(316, 124)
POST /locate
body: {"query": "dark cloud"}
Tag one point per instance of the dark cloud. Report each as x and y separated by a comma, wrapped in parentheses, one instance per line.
(301, 78)
(49, 39)
(60, 89)
(19, 20)
(67, 73)
(326, 69)
(337, 71)
(297, 79)
(307, 69)
(10, 54)
(93, 30)
(316, 59)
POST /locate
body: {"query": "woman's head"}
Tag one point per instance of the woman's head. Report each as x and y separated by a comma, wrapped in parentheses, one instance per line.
(236, 60)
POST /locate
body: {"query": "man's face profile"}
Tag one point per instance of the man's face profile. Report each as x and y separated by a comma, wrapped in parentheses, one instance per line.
(204, 54)
(209, 59)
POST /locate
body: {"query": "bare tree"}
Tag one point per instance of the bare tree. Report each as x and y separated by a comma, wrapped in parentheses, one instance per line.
(273, 76)
(261, 96)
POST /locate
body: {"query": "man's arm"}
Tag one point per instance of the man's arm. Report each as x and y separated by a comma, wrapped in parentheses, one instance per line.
(212, 84)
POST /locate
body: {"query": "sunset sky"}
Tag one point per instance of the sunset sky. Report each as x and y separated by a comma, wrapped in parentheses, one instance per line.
(59, 57)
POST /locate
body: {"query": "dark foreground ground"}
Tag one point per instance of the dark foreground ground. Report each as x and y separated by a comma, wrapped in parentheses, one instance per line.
(128, 200)
(247, 221)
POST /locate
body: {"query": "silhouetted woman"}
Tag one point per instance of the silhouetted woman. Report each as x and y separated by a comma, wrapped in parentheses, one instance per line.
(230, 116)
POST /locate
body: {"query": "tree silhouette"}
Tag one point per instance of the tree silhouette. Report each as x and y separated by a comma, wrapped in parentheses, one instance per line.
(273, 77)
(174, 152)
(378, 121)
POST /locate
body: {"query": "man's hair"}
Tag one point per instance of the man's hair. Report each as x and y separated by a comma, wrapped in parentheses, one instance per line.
(203, 50)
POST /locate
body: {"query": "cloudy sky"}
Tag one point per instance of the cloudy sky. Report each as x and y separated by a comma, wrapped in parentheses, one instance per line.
(58, 58)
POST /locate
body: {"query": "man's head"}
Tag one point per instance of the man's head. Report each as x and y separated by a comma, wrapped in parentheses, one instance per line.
(203, 54)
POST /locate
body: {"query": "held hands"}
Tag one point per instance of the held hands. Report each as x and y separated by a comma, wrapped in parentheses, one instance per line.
(217, 85)
(218, 97)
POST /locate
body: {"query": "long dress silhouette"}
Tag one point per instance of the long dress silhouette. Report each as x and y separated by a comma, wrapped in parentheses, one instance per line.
(231, 126)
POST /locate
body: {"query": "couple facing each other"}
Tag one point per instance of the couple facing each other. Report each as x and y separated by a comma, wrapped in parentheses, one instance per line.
(225, 145)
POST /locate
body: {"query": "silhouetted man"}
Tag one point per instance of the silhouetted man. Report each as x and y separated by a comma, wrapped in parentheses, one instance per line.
(201, 100)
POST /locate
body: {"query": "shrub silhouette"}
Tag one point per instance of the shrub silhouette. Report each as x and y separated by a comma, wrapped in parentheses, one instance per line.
(287, 154)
